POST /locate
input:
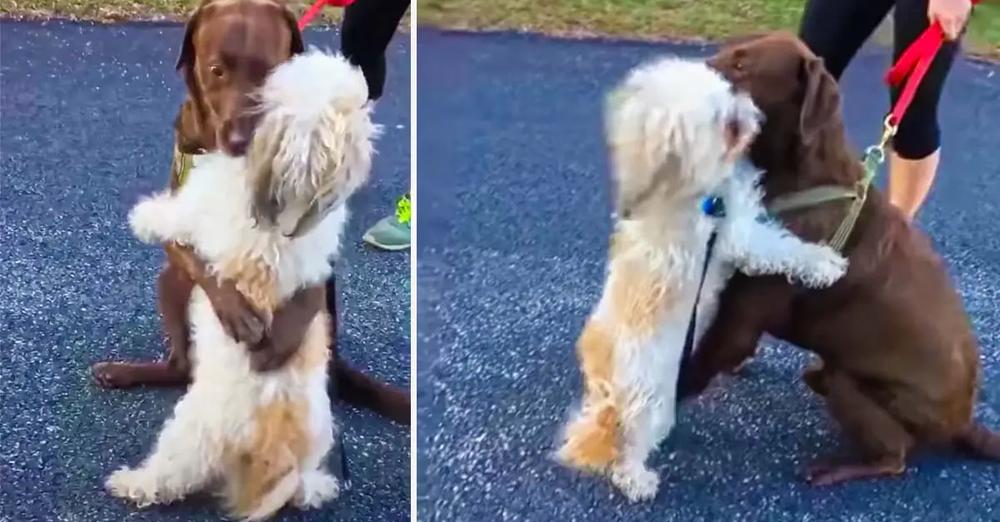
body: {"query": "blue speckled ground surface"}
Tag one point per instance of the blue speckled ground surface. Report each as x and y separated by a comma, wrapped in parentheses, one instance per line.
(86, 129)
(513, 225)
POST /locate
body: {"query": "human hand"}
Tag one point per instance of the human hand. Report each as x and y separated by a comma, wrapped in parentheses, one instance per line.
(951, 14)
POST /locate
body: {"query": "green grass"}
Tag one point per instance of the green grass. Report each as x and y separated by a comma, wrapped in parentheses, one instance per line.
(657, 19)
(984, 31)
(114, 10)
(103, 10)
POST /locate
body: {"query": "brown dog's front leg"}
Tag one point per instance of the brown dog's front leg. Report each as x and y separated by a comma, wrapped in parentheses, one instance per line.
(175, 284)
(746, 307)
(239, 319)
(288, 328)
(174, 290)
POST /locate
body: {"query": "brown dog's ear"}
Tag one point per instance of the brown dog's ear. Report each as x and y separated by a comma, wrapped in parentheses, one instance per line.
(741, 39)
(293, 26)
(185, 61)
(821, 102)
(188, 127)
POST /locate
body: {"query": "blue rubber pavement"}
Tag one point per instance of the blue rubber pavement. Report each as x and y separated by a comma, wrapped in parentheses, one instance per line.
(513, 222)
(87, 115)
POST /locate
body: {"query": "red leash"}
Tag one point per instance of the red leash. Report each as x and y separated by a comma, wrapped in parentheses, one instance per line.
(913, 64)
(317, 7)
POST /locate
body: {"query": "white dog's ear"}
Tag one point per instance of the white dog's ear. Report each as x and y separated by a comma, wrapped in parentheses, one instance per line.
(737, 138)
(740, 127)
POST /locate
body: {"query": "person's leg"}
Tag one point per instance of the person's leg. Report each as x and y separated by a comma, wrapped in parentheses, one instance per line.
(365, 34)
(916, 152)
(836, 29)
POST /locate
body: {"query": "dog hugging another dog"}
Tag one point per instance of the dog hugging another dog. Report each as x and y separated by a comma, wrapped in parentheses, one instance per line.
(271, 141)
(898, 360)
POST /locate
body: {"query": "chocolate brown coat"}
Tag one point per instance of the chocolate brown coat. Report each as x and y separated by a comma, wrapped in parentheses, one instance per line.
(900, 361)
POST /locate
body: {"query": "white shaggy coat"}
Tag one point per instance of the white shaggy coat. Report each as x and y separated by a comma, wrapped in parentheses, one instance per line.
(261, 437)
(675, 130)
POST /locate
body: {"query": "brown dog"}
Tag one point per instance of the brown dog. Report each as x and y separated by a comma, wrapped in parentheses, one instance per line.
(900, 362)
(229, 48)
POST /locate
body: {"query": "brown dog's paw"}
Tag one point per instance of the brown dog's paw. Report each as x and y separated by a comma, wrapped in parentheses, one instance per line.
(239, 319)
(825, 474)
(267, 356)
(740, 368)
(112, 375)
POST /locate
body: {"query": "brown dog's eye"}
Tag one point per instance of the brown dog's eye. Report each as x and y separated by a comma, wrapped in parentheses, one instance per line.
(216, 71)
(738, 58)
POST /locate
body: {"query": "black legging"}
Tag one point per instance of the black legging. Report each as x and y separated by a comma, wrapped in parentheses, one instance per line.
(836, 29)
(365, 33)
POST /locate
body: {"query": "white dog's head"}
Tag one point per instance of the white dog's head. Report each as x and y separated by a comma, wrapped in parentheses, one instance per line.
(313, 146)
(679, 124)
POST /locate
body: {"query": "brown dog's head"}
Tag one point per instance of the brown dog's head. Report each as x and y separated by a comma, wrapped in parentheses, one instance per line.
(789, 84)
(229, 48)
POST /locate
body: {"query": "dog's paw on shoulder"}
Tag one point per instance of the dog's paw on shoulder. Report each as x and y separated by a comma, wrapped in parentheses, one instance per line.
(827, 267)
(145, 218)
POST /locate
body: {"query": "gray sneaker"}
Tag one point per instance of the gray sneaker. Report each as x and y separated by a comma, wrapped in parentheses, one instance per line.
(392, 232)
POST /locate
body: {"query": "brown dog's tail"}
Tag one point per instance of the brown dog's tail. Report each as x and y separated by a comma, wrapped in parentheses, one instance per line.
(354, 387)
(979, 441)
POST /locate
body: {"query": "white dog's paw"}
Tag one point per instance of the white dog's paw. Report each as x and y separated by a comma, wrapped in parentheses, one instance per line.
(317, 487)
(132, 484)
(825, 266)
(637, 483)
(145, 219)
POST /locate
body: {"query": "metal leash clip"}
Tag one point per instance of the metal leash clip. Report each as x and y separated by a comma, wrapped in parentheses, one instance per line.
(888, 131)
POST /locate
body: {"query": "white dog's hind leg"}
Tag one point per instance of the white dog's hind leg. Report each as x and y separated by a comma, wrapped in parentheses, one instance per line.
(643, 429)
(649, 377)
(318, 486)
(185, 458)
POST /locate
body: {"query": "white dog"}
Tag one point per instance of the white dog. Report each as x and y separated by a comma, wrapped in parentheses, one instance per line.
(675, 129)
(262, 437)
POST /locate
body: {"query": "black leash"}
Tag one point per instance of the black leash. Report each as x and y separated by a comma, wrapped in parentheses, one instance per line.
(689, 338)
(336, 459)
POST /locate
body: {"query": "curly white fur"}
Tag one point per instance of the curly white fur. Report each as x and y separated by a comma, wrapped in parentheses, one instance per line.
(675, 129)
(264, 435)
(315, 117)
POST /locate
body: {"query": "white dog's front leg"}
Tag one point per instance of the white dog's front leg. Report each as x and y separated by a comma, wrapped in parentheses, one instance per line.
(156, 219)
(767, 248)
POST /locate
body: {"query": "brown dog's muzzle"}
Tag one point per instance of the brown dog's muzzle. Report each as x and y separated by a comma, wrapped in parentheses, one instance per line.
(235, 133)
(721, 63)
